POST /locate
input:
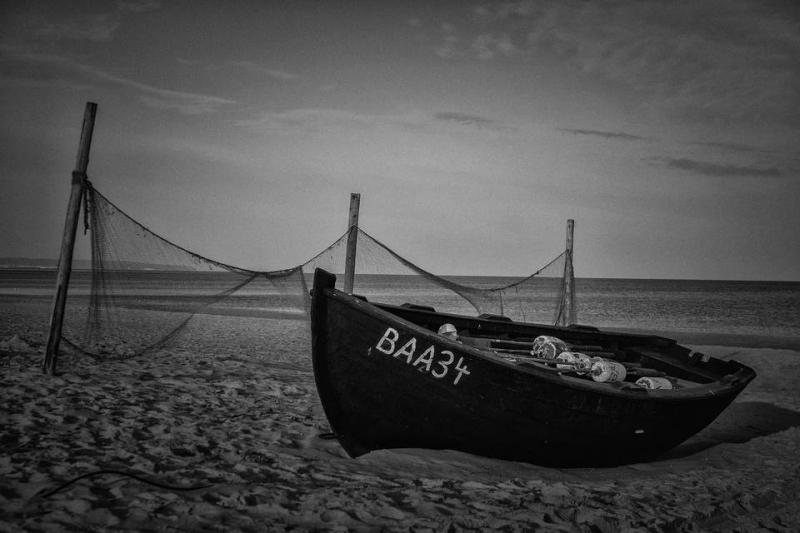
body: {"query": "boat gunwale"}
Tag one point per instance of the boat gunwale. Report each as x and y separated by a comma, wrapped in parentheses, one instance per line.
(725, 384)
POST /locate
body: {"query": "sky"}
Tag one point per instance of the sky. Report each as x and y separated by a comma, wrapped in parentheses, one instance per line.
(669, 131)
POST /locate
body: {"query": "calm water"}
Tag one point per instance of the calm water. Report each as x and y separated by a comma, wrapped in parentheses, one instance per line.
(747, 308)
(726, 307)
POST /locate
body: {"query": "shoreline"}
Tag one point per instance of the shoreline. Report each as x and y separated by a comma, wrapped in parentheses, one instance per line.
(718, 339)
(781, 342)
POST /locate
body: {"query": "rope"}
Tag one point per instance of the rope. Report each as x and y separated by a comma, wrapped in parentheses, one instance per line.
(85, 200)
(123, 473)
(268, 273)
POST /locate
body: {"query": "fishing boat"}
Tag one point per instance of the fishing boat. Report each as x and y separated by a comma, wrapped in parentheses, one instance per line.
(387, 379)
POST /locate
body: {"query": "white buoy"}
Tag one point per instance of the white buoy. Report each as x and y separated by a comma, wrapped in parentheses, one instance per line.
(575, 361)
(654, 383)
(547, 347)
(608, 371)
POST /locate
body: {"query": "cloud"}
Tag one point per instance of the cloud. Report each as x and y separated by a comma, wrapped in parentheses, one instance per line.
(318, 120)
(785, 156)
(90, 27)
(138, 6)
(55, 25)
(7, 82)
(312, 120)
(736, 147)
(260, 69)
(189, 62)
(487, 46)
(606, 134)
(183, 102)
(743, 66)
(706, 168)
(464, 119)
(248, 66)
(449, 45)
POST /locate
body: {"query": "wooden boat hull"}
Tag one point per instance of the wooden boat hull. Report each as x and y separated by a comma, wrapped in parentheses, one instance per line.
(386, 382)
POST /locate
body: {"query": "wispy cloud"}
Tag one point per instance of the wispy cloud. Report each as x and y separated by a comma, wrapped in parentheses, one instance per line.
(449, 45)
(743, 66)
(138, 6)
(487, 46)
(256, 68)
(40, 46)
(7, 82)
(464, 119)
(605, 134)
(81, 25)
(184, 102)
(738, 147)
(248, 66)
(707, 168)
(95, 27)
(318, 120)
(189, 62)
(312, 120)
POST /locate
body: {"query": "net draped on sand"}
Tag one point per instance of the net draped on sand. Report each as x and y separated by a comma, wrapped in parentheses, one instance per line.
(142, 289)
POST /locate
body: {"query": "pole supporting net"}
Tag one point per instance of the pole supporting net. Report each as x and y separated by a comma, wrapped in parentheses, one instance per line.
(142, 290)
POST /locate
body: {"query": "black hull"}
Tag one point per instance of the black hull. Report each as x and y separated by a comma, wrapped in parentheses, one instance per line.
(377, 395)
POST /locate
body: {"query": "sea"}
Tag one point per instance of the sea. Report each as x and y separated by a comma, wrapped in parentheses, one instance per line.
(760, 313)
(737, 313)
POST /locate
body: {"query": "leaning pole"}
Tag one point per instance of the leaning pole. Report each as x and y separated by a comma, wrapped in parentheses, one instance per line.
(352, 239)
(570, 313)
(68, 241)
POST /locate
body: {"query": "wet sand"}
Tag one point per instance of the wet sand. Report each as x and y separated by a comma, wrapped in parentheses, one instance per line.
(221, 431)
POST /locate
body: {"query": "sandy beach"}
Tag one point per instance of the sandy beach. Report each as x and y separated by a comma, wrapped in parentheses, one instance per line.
(223, 431)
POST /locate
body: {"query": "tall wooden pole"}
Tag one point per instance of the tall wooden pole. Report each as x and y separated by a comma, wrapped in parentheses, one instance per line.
(570, 314)
(68, 241)
(352, 238)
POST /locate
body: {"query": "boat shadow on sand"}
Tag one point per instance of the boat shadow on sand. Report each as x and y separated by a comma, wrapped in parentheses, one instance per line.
(739, 423)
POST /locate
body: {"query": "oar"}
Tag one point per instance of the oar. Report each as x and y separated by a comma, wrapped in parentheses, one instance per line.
(631, 368)
(529, 358)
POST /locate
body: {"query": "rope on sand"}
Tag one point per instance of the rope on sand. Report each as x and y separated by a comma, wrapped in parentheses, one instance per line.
(124, 474)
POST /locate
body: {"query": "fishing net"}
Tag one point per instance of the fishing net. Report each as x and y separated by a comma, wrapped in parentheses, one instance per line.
(382, 275)
(142, 290)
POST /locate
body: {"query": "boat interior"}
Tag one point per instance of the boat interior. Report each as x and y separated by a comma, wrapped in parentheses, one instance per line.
(643, 356)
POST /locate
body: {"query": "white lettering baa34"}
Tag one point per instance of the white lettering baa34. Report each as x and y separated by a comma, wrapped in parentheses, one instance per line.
(427, 360)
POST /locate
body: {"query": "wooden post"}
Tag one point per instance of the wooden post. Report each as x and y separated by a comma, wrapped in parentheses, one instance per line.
(68, 240)
(352, 238)
(570, 315)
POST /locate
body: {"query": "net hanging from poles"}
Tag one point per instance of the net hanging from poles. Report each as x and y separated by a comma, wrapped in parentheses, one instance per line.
(382, 275)
(142, 290)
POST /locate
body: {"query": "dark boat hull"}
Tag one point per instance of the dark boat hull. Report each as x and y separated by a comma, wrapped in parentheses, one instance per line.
(385, 382)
